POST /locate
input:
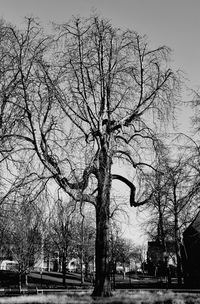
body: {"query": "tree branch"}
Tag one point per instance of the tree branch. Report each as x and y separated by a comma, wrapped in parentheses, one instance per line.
(132, 187)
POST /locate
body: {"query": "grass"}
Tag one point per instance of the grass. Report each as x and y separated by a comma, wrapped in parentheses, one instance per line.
(123, 297)
(75, 296)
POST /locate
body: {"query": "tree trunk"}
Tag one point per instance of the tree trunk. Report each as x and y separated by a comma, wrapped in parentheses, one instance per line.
(82, 245)
(178, 260)
(82, 271)
(64, 269)
(102, 279)
(86, 269)
(20, 280)
(177, 245)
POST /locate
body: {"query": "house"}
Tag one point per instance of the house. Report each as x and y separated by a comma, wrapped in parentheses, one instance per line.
(9, 265)
(191, 253)
(159, 259)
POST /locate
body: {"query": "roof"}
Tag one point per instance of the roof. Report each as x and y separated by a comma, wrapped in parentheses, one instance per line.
(194, 228)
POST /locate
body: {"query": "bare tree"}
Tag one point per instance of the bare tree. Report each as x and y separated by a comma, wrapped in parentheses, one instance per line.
(182, 192)
(23, 226)
(174, 203)
(61, 231)
(82, 102)
(84, 240)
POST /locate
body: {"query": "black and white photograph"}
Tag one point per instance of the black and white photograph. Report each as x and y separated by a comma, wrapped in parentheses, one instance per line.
(100, 151)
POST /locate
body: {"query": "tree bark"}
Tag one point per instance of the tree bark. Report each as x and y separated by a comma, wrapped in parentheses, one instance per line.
(64, 269)
(178, 257)
(102, 279)
(176, 239)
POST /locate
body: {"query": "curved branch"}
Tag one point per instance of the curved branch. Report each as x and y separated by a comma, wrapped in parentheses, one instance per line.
(127, 141)
(127, 154)
(134, 164)
(83, 183)
(132, 187)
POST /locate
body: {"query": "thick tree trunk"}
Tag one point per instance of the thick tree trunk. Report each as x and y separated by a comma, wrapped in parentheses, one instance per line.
(102, 279)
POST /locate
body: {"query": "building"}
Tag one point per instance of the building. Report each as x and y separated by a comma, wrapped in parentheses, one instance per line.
(158, 259)
(191, 253)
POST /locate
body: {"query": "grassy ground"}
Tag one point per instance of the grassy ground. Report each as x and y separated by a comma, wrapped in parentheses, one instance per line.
(140, 297)
(82, 293)
(10, 279)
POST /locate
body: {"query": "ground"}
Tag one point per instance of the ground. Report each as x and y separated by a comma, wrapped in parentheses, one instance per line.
(46, 287)
(122, 297)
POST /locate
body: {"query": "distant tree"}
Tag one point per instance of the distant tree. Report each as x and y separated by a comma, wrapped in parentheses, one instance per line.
(157, 226)
(60, 231)
(84, 240)
(123, 251)
(181, 203)
(25, 232)
(174, 203)
(5, 241)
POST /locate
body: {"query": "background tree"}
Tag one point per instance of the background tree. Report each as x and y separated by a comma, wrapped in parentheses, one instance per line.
(61, 230)
(124, 253)
(181, 203)
(25, 232)
(84, 241)
(174, 204)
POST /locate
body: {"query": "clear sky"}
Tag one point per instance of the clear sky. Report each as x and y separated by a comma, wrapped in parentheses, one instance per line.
(175, 23)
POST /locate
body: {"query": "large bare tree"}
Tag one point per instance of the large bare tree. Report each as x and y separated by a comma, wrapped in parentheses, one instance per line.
(75, 104)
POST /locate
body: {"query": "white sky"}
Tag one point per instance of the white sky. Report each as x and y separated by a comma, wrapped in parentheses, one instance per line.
(175, 23)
